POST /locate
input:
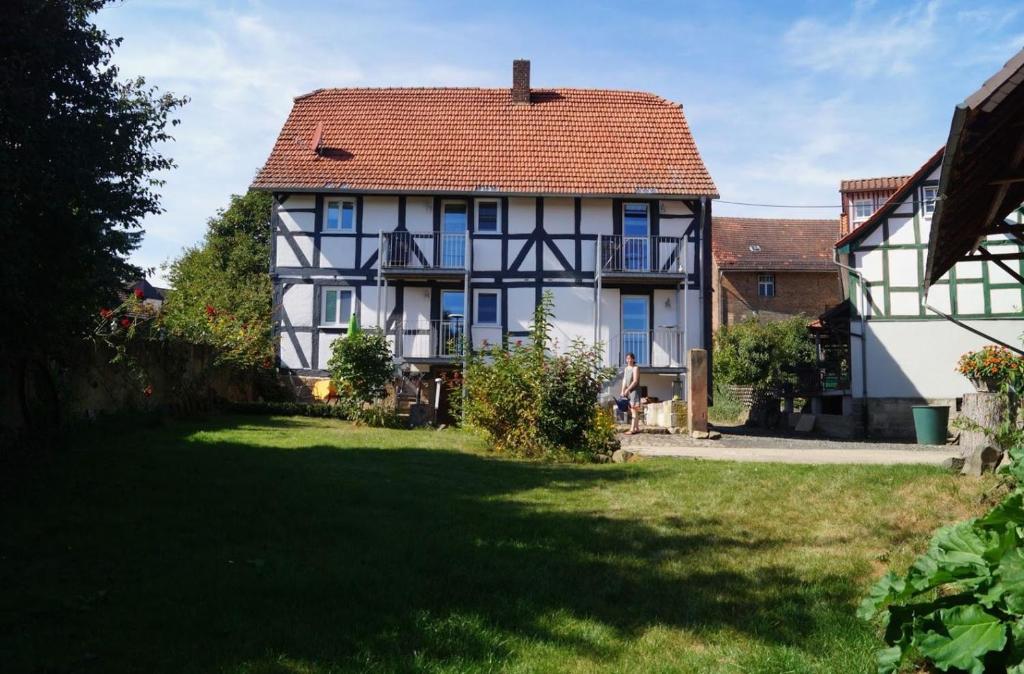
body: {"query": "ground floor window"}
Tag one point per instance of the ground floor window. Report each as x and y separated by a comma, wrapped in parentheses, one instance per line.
(337, 306)
(766, 285)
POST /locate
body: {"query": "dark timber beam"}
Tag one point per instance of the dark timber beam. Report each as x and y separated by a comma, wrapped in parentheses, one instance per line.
(984, 254)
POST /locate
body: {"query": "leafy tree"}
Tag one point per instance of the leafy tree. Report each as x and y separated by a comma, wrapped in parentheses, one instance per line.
(532, 403)
(361, 366)
(762, 354)
(222, 290)
(78, 159)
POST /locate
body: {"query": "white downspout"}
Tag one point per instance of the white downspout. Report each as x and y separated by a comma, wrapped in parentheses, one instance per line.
(863, 335)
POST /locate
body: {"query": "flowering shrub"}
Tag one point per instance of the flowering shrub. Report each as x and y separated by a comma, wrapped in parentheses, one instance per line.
(531, 403)
(995, 365)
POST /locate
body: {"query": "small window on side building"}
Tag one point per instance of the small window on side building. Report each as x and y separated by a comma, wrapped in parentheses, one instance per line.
(862, 209)
(929, 195)
(487, 217)
(766, 285)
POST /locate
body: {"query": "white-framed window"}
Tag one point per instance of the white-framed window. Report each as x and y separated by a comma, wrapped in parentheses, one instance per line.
(929, 195)
(862, 209)
(487, 308)
(488, 216)
(340, 216)
(337, 306)
(766, 285)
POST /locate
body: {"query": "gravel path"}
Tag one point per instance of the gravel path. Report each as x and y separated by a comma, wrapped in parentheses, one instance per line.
(786, 449)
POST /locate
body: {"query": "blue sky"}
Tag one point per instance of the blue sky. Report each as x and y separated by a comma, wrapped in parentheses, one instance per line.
(784, 98)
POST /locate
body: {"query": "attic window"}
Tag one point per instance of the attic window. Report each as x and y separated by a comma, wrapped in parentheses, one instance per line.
(755, 248)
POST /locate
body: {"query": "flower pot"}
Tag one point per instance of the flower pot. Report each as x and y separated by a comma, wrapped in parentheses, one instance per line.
(985, 384)
(930, 422)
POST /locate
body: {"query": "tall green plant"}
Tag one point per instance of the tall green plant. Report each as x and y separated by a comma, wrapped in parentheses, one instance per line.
(533, 403)
(961, 604)
(361, 366)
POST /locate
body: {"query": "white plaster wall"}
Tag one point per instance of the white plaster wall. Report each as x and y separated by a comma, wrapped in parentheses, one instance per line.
(611, 323)
(903, 268)
(297, 304)
(938, 297)
(297, 222)
(521, 303)
(287, 258)
(917, 359)
(486, 254)
(870, 265)
(416, 306)
(380, 214)
(300, 201)
(370, 245)
(289, 356)
(903, 303)
(970, 298)
(997, 274)
(674, 226)
(368, 305)
(419, 214)
(326, 342)
(970, 269)
(574, 315)
(669, 207)
(1005, 300)
(338, 252)
(901, 230)
(522, 215)
(596, 216)
(559, 216)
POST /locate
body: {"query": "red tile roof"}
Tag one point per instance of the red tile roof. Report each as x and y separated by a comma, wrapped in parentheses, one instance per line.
(754, 244)
(567, 141)
(872, 184)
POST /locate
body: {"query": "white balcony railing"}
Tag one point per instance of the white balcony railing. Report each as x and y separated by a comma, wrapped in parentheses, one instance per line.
(441, 339)
(642, 254)
(661, 347)
(423, 251)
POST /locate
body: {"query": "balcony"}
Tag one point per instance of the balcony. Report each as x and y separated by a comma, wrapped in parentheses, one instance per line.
(660, 349)
(641, 258)
(423, 254)
(430, 341)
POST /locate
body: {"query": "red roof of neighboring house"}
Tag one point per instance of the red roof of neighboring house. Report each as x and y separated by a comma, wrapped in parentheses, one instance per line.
(755, 244)
(872, 184)
(897, 196)
(566, 141)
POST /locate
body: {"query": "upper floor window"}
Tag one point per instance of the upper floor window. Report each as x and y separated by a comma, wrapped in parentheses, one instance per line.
(341, 216)
(766, 285)
(862, 209)
(487, 216)
(634, 219)
(929, 195)
(337, 306)
(487, 308)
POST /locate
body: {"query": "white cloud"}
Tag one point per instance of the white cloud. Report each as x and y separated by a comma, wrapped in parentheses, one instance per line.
(866, 45)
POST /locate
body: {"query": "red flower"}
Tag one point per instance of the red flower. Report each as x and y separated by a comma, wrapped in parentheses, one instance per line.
(125, 322)
(105, 312)
(148, 391)
(210, 311)
(139, 294)
(519, 342)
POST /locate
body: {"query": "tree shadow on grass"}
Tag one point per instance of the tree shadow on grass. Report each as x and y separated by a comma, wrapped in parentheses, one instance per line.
(200, 556)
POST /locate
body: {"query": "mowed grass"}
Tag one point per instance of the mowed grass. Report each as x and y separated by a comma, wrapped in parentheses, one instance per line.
(247, 545)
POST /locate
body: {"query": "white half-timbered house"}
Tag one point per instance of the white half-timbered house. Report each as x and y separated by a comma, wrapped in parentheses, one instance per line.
(912, 340)
(443, 214)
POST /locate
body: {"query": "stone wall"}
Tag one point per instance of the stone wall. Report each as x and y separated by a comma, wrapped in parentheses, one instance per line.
(893, 418)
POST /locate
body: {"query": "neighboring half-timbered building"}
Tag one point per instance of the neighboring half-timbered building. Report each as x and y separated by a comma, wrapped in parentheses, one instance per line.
(442, 215)
(910, 348)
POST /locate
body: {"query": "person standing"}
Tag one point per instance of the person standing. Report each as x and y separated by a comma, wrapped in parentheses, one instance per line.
(631, 391)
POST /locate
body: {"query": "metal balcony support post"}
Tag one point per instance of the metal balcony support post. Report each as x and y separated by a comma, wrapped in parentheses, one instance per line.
(598, 264)
(686, 317)
(380, 266)
(467, 314)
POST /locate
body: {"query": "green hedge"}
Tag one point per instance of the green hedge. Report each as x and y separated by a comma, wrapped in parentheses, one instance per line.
(319, 410)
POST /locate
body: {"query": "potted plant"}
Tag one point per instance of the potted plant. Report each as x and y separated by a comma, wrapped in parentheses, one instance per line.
(990, 366)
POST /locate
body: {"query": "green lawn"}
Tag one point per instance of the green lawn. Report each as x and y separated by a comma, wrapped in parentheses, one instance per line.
(298, 545)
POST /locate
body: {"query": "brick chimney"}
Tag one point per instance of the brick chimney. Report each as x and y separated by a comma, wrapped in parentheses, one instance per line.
(521, 81)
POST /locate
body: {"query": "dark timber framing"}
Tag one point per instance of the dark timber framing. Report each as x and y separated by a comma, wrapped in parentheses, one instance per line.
(526, 259)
